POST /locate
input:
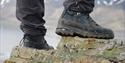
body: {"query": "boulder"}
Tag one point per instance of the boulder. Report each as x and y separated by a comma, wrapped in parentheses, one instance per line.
(73, 50)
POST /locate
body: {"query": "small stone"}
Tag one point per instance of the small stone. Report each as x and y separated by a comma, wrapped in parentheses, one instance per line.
(9, 61)
(121, 56)
(105, 61)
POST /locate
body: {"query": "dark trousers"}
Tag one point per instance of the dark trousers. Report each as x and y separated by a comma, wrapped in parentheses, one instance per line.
(31, 12)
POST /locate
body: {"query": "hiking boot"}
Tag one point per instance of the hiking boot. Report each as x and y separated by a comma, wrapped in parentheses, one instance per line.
(83, 26)
(37, 42)
(75, 22)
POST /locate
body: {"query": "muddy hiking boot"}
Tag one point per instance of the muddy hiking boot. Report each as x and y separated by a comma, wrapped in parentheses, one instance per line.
(36, 42)
(76, 21)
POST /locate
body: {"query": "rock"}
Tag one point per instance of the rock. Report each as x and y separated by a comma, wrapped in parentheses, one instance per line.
(73, 50)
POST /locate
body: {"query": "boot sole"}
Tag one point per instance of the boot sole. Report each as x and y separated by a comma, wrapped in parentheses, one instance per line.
(71, 31)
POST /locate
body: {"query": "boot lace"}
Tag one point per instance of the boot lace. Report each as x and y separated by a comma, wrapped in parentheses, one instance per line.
(92, 21)
(22, 40)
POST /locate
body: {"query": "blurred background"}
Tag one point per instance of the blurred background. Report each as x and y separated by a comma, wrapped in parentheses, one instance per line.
(108, 13)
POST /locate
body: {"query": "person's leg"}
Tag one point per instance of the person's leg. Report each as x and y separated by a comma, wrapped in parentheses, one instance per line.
(76, 21)
(30, 13)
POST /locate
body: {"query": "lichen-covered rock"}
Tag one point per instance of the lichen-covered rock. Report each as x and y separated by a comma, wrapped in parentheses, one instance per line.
(113, 50)
(73, 50)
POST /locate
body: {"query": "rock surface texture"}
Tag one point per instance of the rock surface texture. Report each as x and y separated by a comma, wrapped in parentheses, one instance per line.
(73, 50)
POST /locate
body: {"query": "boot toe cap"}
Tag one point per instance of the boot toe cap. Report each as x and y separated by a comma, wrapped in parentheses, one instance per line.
(107, 33)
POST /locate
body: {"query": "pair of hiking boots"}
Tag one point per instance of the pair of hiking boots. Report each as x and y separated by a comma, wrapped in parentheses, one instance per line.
(76, 24)
(71, 25)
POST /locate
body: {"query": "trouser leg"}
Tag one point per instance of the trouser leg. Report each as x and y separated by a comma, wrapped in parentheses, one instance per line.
(30, 13)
